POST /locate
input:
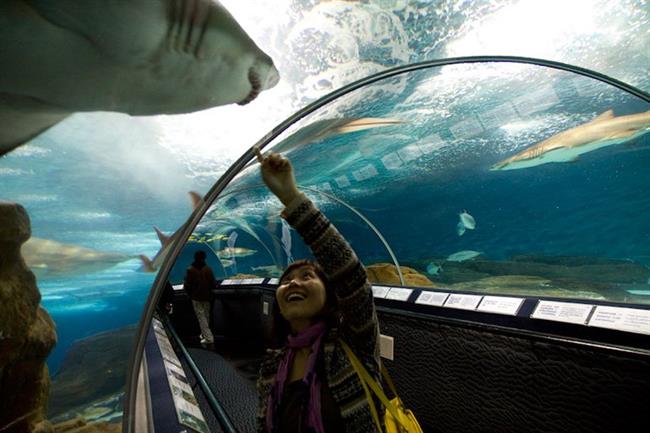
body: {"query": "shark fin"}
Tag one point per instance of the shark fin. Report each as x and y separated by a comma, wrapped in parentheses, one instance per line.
(197, 199)
(622, 134)
(147, 264)
(23, 119)
(609, 114)
(164, 239)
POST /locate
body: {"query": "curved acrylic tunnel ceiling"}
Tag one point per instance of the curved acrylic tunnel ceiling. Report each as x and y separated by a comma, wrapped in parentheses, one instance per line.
(95, 184)
(481, 174)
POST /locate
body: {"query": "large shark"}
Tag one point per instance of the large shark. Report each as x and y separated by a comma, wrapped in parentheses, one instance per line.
(605, 130)
(140, 57)
(51, 259)
(323, 129)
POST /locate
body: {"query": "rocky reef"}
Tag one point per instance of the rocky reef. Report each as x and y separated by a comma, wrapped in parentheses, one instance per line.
(80, 425)
(27, 333)
(386, 273)
(539, 275)
(90, 383)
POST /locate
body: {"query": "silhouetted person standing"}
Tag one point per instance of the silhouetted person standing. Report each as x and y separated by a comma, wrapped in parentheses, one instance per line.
(199, 281)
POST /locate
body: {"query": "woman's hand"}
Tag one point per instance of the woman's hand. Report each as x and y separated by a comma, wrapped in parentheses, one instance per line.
(277, 174)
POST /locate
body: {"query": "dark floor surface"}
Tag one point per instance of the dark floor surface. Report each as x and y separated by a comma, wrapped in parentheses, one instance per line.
(231, 372)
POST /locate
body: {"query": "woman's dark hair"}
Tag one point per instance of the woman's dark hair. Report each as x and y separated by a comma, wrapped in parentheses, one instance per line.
(280, 327)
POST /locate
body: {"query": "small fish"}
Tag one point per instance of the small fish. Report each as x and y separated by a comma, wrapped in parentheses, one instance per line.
(434, 269)
(467, 220)
(638, 292)
(196, 237)
(460, 229)
(226, 263)
(207, 237)
(230, 252)
(462, 256)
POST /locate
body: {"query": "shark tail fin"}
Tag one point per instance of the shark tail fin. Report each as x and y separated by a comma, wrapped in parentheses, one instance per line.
(147, 264)
(163, 238)
(197, 199)
(622, 134)
(609, 114)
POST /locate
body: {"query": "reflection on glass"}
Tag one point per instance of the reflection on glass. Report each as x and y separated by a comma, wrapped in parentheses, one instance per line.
(247, 237)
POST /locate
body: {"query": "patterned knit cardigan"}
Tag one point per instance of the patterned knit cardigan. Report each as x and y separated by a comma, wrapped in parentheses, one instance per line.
(358, 325)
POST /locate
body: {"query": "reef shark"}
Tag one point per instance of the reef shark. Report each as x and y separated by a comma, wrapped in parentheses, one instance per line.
(605, 130)
(140, 57)
(326, 128)
(51, 259)
(166, 241)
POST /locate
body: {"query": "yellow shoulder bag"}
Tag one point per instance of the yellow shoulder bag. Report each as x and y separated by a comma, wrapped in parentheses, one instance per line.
(397, 418)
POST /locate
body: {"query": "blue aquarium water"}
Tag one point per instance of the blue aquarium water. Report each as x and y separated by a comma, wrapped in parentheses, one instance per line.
(96, 184)
(412, 180)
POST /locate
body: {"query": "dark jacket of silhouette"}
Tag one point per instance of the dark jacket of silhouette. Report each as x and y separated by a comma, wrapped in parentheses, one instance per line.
(199, 282)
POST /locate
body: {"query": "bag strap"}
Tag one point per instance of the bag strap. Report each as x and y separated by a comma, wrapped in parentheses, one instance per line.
(389, 382)
(371, 403)
(368, 381)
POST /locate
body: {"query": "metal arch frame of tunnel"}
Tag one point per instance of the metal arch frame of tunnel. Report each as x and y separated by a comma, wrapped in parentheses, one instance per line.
(335, 199)
(128, 422)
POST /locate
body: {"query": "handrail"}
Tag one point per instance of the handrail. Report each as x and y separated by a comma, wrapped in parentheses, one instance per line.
(220, 413)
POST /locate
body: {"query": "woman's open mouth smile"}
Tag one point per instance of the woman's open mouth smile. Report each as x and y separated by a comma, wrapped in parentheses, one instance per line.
(295, 297)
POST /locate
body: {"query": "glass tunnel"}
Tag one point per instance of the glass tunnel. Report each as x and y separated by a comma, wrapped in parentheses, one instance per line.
(452, 176)
(475, 184)
(498, 203)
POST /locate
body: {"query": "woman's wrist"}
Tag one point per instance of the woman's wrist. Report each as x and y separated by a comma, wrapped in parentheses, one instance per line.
(289, 197)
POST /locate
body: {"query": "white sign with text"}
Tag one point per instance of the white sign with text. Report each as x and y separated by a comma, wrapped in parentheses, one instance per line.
(568, 312)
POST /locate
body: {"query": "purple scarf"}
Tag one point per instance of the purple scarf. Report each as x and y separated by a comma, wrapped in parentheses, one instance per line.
(312, 336)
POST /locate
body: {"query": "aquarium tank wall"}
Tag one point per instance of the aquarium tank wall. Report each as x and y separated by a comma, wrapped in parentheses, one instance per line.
(494, 177)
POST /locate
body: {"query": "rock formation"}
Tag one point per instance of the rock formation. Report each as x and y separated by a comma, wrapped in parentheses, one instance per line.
(538, 275)
(386, 273)
(94, 370)
(27, 333)
(80, 425)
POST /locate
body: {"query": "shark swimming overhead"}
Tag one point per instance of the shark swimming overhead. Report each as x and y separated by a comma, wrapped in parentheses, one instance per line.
(326, 128)
(605, 130)
(140, 57)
